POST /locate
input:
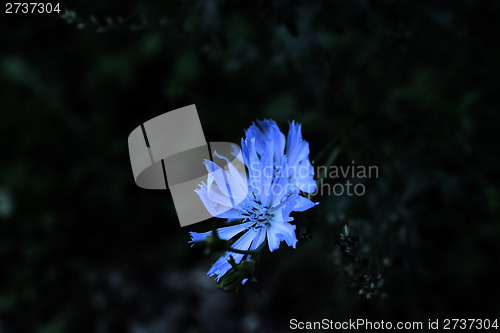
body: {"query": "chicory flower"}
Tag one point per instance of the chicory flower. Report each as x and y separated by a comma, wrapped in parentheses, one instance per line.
(261, 200)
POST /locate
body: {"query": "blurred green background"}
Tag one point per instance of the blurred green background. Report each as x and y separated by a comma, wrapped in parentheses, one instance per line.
(409, 86)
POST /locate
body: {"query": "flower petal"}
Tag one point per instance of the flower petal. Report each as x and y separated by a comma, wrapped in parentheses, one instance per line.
(225, 233)
(302, 203)
(222, 266)
(237, 182)
(272, 240)
(258, 239)
(296, 148)
(285, 231)
(266, 174)
(214, 208)
(252, 162)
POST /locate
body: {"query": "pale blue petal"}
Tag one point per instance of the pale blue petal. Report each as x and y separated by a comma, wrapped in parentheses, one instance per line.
(252, 162)
(296, 148)
(215, 172)
(258, 239)
(285, 231)
(266, 173)
(253, 132)
(225, 233)
(301, 152)
(272, 240)
(286, 206)
(198, 237)
(272, 133)
(222, 266)
(281, 186)
(302, 204)
(230, 213)
(267, 130)
(294, 138)
(213, 207)
(236, 181)
(231, 231)
(215, 194)
(244, 242)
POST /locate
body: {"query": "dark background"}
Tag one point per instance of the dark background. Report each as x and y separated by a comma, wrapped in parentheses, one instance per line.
(409, 86)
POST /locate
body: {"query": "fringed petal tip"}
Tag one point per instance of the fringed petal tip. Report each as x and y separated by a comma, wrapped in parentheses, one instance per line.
(209, 165)
(196, 237)
(292, 243)
(200, 187)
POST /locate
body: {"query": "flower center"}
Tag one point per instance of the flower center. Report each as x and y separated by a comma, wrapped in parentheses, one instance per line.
(257, 213)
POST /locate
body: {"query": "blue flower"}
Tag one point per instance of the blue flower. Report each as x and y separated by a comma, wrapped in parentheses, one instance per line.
(300, 170)
(261, 200)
